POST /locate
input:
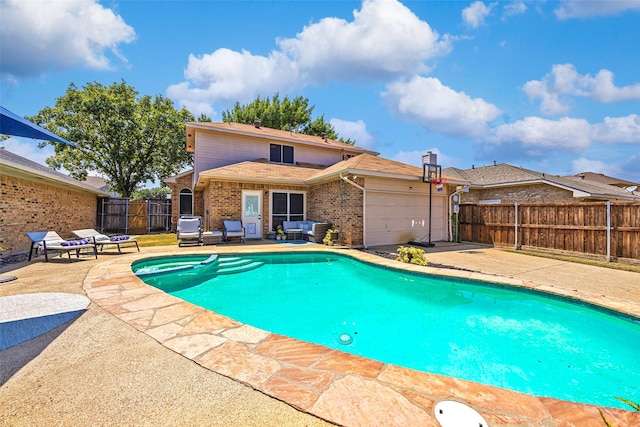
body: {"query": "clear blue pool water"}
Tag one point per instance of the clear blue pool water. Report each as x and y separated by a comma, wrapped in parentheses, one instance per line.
(511, 338)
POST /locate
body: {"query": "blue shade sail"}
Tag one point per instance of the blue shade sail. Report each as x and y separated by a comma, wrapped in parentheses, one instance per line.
(12, 124)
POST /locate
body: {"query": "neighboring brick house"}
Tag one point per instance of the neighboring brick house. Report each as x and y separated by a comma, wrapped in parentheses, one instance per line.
(37, 198)
(240, 169)
(503, 183)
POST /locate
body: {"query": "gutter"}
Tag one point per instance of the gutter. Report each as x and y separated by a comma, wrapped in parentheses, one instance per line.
(364, 208)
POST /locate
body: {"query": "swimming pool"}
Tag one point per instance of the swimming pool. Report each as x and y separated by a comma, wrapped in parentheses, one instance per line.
(516, 339)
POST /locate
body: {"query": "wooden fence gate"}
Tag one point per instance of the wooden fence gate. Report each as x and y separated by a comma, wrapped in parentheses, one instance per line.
(600, 229)
(134, 216)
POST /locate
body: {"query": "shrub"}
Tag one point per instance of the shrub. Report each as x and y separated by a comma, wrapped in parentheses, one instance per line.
(411, 255)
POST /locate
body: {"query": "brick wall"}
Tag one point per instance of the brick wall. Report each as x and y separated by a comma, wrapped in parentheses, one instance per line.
(32, 206)
(341, 204)
(184, 182)
(535, 193)
(336, 202)
(224, 201)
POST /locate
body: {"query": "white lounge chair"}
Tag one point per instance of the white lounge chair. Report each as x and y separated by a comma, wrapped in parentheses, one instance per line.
(189, 230)
(233, 230)
(102, 240)
(51, 241)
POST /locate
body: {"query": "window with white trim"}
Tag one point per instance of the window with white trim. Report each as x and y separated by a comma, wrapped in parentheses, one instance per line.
(185, 206)
(286, 206)
(281, 153)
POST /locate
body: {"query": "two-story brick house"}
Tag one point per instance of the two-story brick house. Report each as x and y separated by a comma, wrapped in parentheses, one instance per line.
(265, 176)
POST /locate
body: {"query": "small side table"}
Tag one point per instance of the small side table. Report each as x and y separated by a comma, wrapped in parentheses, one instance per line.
(294, 233)
(212, 237)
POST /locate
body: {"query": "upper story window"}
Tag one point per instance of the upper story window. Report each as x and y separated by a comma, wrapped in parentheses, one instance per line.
(281, 153)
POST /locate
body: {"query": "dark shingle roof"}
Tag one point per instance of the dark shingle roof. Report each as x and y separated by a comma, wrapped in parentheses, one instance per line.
(502, 174)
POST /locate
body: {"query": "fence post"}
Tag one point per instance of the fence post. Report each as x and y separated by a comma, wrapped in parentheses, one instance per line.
(102, 217)
(608, 231)
(516, 228)
(126, 216)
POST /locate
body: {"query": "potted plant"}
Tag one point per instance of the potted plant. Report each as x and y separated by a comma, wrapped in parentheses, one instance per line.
(331, 237)
(280, 233)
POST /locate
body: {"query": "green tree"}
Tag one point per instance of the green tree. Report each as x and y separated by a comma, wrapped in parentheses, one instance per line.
(126, 138)
(286, 114)
(151, 193)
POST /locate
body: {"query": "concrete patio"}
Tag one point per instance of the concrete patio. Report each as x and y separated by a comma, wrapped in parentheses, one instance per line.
(101, 370)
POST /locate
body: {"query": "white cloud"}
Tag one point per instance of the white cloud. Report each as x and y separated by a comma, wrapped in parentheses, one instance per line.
(230, 76)
(384, 39)
(474, 15)
(427, 101)
(566, 134)
(618, 130)
(598, 166)
(513, 9)
(564, 81)
(36, 36)
(537, 135)
(415, 157)
(357, 131)
(586, 9)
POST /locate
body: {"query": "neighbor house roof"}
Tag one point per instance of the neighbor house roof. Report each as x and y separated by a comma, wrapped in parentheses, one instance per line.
(17, 166)
(504, 175)
(267, 133)
(604, 179)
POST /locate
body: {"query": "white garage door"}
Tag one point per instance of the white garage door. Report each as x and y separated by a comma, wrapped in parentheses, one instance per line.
(393, 218)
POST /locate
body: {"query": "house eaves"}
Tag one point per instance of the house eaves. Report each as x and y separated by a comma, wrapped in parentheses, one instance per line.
(268, 134)
(374, 166)
(260, 171)
(20, 167)
(173, 179)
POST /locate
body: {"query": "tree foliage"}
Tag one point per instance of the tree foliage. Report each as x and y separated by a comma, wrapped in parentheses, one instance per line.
(126, 138)
(286, 114)
(151, 193)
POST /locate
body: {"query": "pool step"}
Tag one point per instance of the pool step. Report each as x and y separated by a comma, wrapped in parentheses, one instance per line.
(237, 265)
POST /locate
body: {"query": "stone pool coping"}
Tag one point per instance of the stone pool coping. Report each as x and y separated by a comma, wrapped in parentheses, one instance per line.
(333, 385)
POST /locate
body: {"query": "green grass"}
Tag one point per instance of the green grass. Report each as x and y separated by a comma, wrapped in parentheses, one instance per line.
(164, 239)
(587, 261)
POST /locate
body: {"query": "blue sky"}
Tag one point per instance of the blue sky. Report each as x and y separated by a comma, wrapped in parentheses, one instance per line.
(552, 86)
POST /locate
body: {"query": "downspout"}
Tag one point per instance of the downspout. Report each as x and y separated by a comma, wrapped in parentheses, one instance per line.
(364, 208)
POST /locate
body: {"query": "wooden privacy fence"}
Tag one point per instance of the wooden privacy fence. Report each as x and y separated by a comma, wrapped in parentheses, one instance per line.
(601, 229)
(134, 216)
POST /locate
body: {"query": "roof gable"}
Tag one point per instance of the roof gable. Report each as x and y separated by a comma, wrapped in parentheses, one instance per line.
(268, 134)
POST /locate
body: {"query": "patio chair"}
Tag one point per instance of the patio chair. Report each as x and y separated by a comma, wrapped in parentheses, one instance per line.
(102, 240)
(51, 241)
(233, 230)
(189, 230)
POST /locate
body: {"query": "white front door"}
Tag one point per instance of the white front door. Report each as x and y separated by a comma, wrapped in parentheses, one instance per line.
(252, 214)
